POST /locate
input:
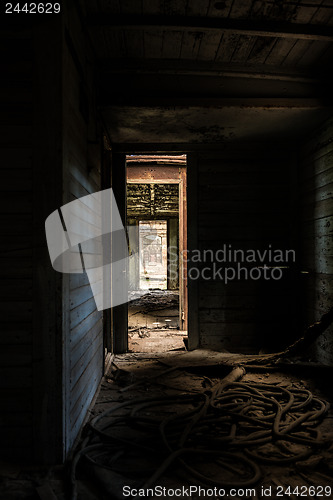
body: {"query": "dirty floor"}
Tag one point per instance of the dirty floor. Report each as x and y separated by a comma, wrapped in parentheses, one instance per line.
(155, 340)
(169, 420)
(145, 396)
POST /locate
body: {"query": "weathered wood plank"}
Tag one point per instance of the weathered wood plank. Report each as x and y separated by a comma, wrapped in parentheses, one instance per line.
(83, 179)
(261, 50)
(81, 312)
(152, 6)
(318, 210)
(314, 194)
(317, 231)
(78, 332)
(20, 310)
(280, 51)
(227, 47)
(172, 42)
(233, 207)
(86, 382)
(15, 203)
(134, 43)
(80, 295)
(153, 43)
(311, 166)
(22, 157)
(313, 53)
(320, 142)
(15, 355)
(78, 280)
(209, 46)
(317, 228)
(77, 417)
(14, 377)
(16, 437)
(16, 288)
(83, 347)
(16, 333)
(9, 135)
(82, 321)
(14, 269)
(10, 397)
(17, 179)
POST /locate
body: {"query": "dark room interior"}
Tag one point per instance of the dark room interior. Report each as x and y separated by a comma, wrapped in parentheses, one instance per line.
(212, 123)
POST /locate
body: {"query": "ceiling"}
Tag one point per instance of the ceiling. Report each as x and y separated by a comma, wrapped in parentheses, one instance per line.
(210, 125)
(206, 71)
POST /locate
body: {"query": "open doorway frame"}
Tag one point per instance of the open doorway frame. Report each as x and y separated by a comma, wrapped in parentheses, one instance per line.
(170, 175)
(187, 240)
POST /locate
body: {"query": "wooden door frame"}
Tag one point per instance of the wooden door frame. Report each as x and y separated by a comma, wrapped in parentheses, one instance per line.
(183, 296)
(192, 244)
(119, 314)
(172, 175)
(190, 214)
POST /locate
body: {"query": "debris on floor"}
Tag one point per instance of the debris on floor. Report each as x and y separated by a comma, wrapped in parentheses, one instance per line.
(153, 299)
(153, 309)
(179, 420)
(156, 339)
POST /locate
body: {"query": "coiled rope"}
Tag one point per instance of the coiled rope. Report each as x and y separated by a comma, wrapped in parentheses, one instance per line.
(219, 437)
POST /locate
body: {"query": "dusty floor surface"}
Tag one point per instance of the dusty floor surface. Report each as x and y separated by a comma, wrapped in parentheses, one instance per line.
(155, 340)
(153, 321)
(132, 452)
(134, 377)
(153, 308)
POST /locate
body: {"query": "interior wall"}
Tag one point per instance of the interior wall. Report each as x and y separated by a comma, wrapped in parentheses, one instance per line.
(316, 184)
(30, 330)
(244, 201)
(16, 318)
(83, 323)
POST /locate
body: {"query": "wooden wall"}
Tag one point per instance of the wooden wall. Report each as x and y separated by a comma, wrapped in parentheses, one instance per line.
(83, 323)
(316, 185)
(16, 331)
(244, 200)
(51, 153)
(31, 189)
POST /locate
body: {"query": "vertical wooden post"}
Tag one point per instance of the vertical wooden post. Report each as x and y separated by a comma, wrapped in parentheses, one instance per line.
(192, 244)
(173, 248)
(107, 327)
(134, 268)
(183, 300)
(120, 312)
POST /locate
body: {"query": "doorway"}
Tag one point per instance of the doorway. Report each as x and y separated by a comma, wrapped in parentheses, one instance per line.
(156, 221)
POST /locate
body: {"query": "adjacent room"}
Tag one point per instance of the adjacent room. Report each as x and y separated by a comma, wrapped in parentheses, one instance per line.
(156, 221)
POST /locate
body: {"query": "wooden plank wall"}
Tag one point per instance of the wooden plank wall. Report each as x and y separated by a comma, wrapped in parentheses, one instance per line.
(244, 201)
(316, 183)
(82, 173)
(30, 336)
(16, 124)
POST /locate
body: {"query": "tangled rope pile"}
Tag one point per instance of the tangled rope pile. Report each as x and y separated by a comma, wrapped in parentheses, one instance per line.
(219, 436)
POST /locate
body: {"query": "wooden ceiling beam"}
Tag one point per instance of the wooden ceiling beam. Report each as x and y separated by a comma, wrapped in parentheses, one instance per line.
(250, 27)
(117, 66)
(229, 102)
